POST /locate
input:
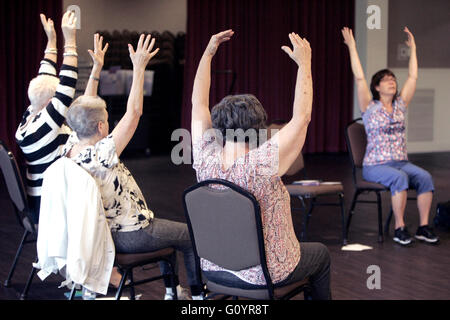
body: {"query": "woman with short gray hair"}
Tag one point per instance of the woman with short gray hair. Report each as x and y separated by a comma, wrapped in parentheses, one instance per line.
(133, 225)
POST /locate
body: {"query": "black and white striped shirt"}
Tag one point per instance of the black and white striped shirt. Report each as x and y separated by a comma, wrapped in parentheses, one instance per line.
(42, 138)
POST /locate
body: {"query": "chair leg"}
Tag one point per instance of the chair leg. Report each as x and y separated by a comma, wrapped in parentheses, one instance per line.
(173, 275)
(350, 213)
(122, 283)
(380, 218)
(388, 222)
(344, 233)
(304, 234)
(132, 292)
(24, 294)
(7, 282)
(73, 291)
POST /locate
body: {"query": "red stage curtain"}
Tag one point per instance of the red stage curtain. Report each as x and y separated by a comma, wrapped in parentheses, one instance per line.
(22, 45)
(263, 69)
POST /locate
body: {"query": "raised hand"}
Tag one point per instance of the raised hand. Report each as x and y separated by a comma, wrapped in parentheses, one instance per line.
(301, 52)
(410, 42)
(349, 40)
(143, 53)
(49, 28)
(216, 40)
(68, 26)
(98, 55)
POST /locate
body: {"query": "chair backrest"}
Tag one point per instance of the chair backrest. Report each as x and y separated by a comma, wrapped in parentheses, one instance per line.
(15, 186)
(356, 138)
(225, 225)
(299, 163)
(356, 142)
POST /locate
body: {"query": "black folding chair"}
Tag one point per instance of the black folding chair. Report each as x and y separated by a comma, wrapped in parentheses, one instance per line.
(225, 228)
(17, 194)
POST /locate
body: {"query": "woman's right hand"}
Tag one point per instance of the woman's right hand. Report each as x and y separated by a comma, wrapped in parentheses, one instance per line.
(143, 53)
(301, 50)
(49, 28)
(68, 26)
(216, 40)
(349, 40)
(98, 55)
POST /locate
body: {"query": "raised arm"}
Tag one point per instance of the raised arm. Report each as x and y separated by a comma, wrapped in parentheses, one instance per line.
(409, 88)
(292, 136)
(68, 74)
(98, 58)
(68, 26)
(364, 95)
(51, 51)
(126, 127)
(201, 116)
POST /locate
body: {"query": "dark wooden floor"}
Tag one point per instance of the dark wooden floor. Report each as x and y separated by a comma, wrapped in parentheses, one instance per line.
(420, 271)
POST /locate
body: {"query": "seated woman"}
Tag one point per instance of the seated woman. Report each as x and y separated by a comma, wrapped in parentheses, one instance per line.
(386, 160)
(258, 169)
(133, 225)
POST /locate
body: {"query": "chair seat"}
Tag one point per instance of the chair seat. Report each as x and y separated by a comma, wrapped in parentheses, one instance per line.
(312, 191)
(261, 294)
(363, 184)
(127, 260)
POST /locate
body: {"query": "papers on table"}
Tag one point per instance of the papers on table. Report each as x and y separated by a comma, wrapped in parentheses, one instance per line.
(315, 183)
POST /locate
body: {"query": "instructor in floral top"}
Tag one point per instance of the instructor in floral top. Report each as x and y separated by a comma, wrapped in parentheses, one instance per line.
(386, 160)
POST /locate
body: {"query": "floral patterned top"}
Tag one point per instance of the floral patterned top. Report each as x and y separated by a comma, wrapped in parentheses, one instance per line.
(256, 172)
(386, 136)
(125, 206)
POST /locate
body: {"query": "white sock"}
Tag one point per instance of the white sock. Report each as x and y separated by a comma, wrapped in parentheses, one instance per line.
(169, 290)
(199, 297)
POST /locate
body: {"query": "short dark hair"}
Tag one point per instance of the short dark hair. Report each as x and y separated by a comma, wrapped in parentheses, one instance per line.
(376, 78)
(235, 112)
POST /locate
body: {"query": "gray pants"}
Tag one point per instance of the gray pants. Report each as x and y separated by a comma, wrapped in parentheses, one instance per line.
(160, 234)
(314, 264)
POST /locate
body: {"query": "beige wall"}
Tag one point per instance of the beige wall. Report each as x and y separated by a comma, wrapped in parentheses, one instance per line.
(373, 50)
(134, 15)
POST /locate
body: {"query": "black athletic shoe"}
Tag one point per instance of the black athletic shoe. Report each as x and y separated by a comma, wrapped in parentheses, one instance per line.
(426, 234)
(402, 236)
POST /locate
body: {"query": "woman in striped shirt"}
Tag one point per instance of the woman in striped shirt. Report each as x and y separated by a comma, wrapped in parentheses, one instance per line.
(42, 134)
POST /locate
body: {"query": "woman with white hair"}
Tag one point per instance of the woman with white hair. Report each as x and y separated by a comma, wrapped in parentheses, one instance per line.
(41, 134)
(133, 225)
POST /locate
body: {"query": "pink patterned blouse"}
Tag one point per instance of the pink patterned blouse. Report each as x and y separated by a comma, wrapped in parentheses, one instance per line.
(386, 137)
(256, 172)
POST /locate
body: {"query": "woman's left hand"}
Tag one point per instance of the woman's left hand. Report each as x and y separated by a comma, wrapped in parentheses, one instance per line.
(410, 42)
(98, 55)
(216, 40)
